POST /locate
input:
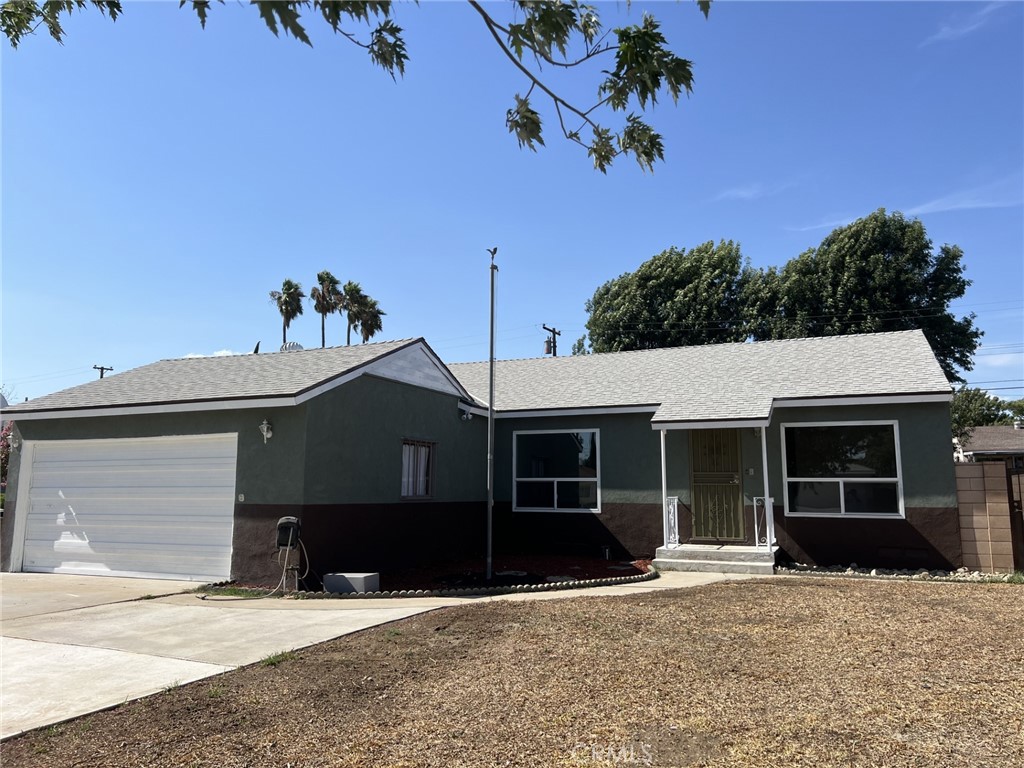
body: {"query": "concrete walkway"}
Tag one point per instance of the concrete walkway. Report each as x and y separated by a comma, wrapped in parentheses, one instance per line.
(73, 645)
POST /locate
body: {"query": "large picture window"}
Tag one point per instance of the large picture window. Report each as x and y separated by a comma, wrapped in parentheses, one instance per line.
(842, 469)
(556, 471)
(417, 469)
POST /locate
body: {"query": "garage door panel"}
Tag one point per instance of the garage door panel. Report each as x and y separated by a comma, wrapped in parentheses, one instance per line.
(155, 507)
(143, 477)
(198, 446)
(106, 529)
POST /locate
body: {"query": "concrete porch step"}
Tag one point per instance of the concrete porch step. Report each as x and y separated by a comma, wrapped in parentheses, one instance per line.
(705, 558)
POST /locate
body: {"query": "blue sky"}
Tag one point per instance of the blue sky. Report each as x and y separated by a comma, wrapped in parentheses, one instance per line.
(159, 180)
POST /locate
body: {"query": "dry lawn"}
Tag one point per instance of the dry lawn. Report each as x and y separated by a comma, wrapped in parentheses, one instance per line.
(782, 672)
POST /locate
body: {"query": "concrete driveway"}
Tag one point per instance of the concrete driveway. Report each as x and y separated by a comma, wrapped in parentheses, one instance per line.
(71, 645)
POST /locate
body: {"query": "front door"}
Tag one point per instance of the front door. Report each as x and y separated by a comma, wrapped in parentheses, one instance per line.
(716, 493)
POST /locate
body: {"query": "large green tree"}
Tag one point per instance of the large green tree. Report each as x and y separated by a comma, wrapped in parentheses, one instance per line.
(676, 298)
(879, 273)
(326, 295)
(545, 40)
(289, 303)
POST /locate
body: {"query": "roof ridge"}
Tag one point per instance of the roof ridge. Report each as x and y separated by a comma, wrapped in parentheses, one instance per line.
(284, 351)
(759, 342)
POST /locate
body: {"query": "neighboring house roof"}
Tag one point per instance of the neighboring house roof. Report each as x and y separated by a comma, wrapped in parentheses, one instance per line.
(720, 382)
(996, 440)
(243, 381)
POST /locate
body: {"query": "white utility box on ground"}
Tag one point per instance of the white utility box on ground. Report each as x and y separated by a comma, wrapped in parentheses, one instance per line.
(352, 582)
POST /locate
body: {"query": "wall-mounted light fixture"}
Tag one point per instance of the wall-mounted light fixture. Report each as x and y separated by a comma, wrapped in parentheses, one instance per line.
(14, 441)
(266, 430)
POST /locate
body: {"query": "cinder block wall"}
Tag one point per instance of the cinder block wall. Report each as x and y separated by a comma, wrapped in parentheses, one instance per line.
(983, 499)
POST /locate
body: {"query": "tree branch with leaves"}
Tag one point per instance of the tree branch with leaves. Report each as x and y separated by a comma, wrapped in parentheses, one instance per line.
(565, 36)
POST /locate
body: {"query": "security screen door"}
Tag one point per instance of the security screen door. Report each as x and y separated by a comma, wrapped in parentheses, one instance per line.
(716, 493)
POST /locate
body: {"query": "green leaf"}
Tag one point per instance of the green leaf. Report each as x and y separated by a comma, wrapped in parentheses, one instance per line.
(640, 140)
(201, 7)
(602, 150)
(387, 48)
(274, 12)
(524, 121)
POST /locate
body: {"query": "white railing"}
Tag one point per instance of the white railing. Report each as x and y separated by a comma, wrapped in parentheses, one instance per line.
(764, 522)
(672, 521)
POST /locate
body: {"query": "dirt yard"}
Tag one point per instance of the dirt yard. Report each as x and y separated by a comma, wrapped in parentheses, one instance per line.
(779, 672)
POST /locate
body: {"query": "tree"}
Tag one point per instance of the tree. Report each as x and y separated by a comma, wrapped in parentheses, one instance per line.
(5, 451)
(369, 318)
(877, 274)
(325, 296)
(563, 37)
(362, 312)
(973, 407)
(676, 298)
(289, 304)
(1016, 409)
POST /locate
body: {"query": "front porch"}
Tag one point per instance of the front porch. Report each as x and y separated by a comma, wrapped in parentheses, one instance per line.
(715, 558)
(723, 528)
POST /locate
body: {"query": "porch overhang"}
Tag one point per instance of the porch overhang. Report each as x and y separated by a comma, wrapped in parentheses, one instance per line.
(671, 421)
(711, 424)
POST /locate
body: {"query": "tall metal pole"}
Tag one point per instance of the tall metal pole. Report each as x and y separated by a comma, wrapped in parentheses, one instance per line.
(490, 427)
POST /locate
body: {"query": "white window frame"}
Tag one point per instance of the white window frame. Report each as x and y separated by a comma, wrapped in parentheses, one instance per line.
(840, 481)
(555, 480)
(431, 464)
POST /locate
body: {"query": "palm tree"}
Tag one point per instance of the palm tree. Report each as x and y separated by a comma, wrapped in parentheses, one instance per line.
(289, 304)
(351, 298)
(325, 300)
(368, 317)
(362, 312)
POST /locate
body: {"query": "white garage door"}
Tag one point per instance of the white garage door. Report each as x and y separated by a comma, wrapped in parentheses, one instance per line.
(153, 507)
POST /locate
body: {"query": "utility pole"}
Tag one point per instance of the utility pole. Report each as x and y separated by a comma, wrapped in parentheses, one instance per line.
(102, 369)
(551, 345)
(490, 428)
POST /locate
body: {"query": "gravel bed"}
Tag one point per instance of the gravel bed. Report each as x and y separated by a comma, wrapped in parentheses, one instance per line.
(921, 574)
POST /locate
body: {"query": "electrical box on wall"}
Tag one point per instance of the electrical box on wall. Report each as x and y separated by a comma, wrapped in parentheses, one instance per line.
(288, 532)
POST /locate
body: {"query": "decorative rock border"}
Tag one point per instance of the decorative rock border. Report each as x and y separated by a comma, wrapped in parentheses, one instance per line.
(904, 574)
(553, 586)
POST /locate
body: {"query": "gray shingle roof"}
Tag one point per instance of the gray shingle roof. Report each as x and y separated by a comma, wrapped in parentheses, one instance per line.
(995, 439)
(715, 382)
(202, 379)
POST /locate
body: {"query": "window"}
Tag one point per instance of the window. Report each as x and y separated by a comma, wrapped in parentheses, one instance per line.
(556, 471)
(848, 469)
(417, 469)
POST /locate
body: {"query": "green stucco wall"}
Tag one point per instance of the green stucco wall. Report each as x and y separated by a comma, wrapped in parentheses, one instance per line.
(926, 453)
(354, 444)
(630, 453)
(344, 446)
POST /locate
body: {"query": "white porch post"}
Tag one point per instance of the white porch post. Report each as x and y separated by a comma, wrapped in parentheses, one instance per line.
(664, 491)
(769, 512)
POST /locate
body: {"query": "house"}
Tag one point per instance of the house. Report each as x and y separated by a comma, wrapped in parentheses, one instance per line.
(825, 450)
(182, 468)
(829, 448)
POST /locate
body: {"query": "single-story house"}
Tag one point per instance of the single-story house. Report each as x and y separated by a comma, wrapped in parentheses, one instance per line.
(1000, 442)
(824, 450)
